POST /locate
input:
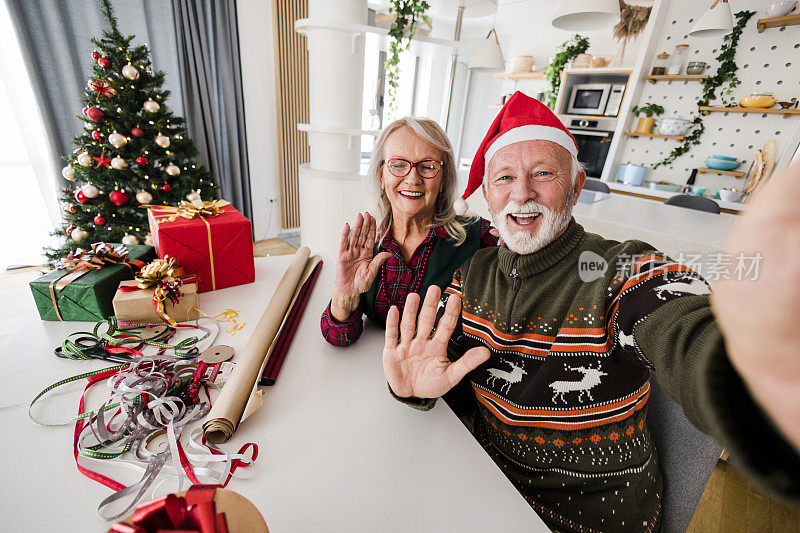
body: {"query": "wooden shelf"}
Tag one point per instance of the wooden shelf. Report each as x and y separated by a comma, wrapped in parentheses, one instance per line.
(725, 172)
(537, 75)
(777, 22)
(755, 110)
(678, 77)
(637, 134)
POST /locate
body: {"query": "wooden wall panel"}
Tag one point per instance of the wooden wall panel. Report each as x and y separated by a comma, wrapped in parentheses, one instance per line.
(291, 91)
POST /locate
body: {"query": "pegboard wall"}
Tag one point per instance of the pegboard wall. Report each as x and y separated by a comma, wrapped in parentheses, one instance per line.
(768, 61)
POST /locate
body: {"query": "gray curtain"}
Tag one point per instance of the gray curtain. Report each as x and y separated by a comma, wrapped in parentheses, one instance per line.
(211, 79)
(54, 36)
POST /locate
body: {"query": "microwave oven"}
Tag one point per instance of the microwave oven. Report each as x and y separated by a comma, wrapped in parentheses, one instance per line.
(596, 99)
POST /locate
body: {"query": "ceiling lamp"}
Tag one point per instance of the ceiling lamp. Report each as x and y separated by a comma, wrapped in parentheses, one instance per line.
(489, 56)
(716, 21)
(586, 15)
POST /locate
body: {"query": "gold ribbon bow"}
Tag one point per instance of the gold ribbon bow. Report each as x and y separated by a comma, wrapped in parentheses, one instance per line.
(162, 276)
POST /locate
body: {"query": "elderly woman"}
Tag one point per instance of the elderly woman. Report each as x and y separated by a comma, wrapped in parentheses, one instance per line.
(421, 241)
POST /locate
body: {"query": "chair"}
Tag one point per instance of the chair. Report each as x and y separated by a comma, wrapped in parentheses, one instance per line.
(595, 185)
(686, 457)
(694, 202)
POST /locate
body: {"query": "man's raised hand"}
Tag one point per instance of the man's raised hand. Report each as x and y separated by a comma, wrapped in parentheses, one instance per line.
(414, 361)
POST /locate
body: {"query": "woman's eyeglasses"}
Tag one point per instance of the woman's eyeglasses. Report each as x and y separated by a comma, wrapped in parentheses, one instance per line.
(427, 168)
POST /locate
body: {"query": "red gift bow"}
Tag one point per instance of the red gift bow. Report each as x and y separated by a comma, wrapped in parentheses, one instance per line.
(194, 512)
(82, 261)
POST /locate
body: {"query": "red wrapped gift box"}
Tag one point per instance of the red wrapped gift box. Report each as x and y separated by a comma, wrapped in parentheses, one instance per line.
(218, 249)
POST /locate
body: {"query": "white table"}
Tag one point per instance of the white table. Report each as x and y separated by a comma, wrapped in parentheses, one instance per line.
(336, 452)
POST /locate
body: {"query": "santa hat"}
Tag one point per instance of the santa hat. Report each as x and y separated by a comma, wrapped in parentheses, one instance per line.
(522, 119)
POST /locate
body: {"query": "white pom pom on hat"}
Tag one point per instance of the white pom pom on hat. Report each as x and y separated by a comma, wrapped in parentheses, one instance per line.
(460, 206)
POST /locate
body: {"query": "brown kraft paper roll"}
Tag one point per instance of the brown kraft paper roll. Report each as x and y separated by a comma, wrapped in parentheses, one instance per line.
(226, 413)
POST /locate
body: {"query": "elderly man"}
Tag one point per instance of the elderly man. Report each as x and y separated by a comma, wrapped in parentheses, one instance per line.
(560, 361)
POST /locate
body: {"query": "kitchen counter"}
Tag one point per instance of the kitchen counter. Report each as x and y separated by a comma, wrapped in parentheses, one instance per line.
(656, 194)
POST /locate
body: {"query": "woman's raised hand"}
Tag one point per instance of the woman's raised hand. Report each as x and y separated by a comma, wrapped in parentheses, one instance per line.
(414, 361)
(356, 268)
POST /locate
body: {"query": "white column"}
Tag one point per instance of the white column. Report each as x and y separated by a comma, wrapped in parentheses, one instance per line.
(331, 190)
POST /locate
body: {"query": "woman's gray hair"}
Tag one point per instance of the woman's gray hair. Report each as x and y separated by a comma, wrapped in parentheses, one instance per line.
(444, 215)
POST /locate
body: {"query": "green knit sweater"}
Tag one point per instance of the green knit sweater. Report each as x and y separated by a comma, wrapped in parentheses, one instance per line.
(562, 401)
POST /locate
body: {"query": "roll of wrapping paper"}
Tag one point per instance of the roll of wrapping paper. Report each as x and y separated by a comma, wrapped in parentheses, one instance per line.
(227, 411)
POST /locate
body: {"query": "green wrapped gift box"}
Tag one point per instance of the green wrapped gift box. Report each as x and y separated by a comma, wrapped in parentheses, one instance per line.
(88, 296)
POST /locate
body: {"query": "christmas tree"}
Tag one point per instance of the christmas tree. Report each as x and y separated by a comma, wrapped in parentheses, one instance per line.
(133, 150)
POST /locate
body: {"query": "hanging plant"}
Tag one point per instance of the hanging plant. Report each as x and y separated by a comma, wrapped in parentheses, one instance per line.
(566, 53)
(407, 13)
(724, 76)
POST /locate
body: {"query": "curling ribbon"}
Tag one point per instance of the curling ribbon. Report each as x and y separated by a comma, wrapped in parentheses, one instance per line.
(232, 317)
(83, 261)
(191, 210)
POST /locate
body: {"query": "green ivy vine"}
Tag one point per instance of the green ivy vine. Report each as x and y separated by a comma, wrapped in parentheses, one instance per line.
(725, 75)
(408, 14)
(566, 53)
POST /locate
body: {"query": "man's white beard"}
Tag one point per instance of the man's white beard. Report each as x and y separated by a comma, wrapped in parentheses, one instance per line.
(551, 224)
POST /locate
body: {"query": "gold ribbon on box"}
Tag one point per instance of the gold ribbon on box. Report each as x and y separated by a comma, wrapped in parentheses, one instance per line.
(164, 277)
(83, 261)
(191, 210)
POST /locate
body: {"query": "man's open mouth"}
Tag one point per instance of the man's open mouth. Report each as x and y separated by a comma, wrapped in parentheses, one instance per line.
(524, 219)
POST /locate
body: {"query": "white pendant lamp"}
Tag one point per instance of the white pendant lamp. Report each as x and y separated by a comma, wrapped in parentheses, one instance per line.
(489, 56)
(716, 21)
(586, 15)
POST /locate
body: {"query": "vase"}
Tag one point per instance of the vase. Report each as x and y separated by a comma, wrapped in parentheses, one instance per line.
(645, 125)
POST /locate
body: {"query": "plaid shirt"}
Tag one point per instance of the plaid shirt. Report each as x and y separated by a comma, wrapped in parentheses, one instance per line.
(397, 280)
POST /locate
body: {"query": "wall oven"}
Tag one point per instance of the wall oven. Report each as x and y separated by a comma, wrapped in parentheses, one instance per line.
(594, 139)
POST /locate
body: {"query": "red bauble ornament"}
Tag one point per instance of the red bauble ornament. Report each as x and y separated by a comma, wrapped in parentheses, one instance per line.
(76, 151)
(95, 114)
(96, 135)
(80, 197)
(69, 228)
(84, 110)
(95, 55)
(141, 161)
(136, 132)
(166, 187)
(103, 62)
(118, 198)
(99, 220)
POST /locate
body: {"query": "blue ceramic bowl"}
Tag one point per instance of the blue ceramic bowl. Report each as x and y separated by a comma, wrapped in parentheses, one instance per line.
(698, 191)
(725, 157)
(717, 164)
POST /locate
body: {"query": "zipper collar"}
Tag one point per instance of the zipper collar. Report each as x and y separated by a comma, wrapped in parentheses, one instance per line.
(524, 266)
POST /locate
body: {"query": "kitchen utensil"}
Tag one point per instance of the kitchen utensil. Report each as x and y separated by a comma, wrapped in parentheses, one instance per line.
(718, 164)
(690, 181)
(789, 105)
(779, 9)
(770, 153)
(698, 191)
(631, 174)
(672, 126)
(727, 195)
(758, 102)
(759, 168)
(695, 67)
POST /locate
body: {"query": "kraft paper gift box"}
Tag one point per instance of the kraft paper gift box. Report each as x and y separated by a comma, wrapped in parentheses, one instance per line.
(87, 297)
(218, 249)
(137, 305)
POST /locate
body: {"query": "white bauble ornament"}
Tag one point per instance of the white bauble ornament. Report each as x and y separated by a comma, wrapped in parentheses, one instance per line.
(148, 240)
(144, 197)
(151, 106)
(117, 140)
(68, 172)
(90, 191)
(172, 170)
(192, 196)
(84, 159)
(79, 234)
(130, 239)
(162, 141)
(130, 72)
(118, 163)
(66, 206)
